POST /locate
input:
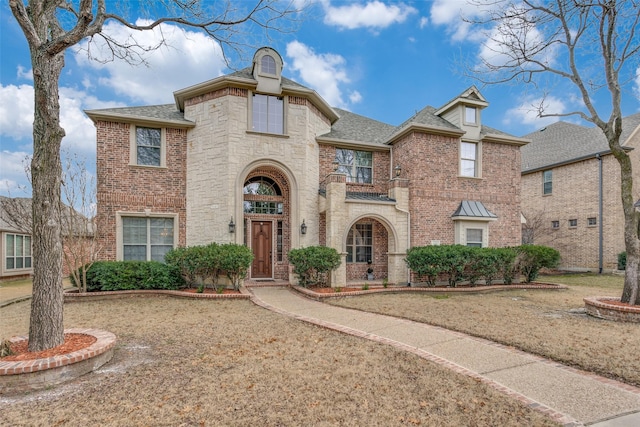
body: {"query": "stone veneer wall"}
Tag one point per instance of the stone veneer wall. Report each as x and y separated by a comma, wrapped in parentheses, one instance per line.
(132, 188)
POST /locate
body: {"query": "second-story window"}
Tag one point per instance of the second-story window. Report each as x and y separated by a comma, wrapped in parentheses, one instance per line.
(268, 113)
(148, 146)
(268, 64)
(470, 116)
(547, 182)
(357, 165)
(468, 159)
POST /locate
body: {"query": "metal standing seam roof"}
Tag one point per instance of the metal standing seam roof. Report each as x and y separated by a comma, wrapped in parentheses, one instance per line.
(473, 209)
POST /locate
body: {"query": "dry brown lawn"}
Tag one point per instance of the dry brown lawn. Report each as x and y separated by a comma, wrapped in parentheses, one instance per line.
(547, 323)
(230, 363)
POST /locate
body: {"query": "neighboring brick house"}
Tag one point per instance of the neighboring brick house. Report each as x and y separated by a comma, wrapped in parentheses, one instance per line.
(255, 158)
(562, 168)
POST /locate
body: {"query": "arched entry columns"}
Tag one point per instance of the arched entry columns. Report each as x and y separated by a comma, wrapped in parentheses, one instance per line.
(342, 213)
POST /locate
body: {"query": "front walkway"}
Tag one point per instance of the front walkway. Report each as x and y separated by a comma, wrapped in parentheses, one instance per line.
(570, 396)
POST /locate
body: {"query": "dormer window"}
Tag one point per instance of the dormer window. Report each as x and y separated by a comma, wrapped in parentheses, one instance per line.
(470, 115)
(268, 65)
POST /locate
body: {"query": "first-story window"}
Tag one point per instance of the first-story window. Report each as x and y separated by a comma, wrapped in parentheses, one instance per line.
(146, 239)
(360, 243)
(592, 221)
(555, 224)
(474, 237)
(17, 251)
(573, 222)
(357, 165)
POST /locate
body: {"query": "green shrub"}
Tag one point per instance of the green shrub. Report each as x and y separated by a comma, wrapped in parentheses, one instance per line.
(622, 261)
(454, 262)
(531, 258)
(131, 275)
(234, 260)
(505, 264)
(313, 264)
(425, 262)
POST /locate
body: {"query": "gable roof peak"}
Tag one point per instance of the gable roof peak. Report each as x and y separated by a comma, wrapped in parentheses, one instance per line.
(471, 96)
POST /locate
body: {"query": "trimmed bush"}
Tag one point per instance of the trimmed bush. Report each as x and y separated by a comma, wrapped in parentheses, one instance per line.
(131, 275)
(531, 258)
(235, 260)
(425, 262)
(506, 264)
(313, 264)
(622, 261)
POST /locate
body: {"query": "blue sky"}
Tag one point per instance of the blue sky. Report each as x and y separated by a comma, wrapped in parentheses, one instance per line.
(382, 59)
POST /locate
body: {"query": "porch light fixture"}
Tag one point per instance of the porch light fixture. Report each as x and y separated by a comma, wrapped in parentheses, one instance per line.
(303, 228)
(397, 170)
(335, 164)
(232, 226)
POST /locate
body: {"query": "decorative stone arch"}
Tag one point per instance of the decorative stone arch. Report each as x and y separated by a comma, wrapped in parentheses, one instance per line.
(284, 177)
(380, 262)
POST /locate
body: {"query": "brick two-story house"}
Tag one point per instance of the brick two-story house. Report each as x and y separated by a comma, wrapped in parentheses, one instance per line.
(571, 192)
(257, 159)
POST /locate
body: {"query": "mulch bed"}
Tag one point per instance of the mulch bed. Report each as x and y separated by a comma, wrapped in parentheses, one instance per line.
(72, 342)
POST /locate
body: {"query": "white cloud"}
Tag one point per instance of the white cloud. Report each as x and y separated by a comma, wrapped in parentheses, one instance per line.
(424, 21)
(185, 58)
(24, 74)
(14, 177)
(322, 72)
(527, 112)
(16, 111)
(374, 15)
(355, 97)
(452, 14)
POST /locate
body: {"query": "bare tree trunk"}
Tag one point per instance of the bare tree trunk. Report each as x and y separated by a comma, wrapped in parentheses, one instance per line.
(46, 328)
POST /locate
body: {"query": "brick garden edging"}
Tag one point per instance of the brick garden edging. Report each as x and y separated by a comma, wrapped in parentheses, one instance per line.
(598, 307)
(74, 296)
(318, 296)
(29, 375)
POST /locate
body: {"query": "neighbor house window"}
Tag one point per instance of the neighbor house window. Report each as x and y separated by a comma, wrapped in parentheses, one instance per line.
(573, 223)
(468, 159)
(592, 221)
(268, 64)
(360, 243)
(268, 113)
(470, 115)
(547, 182)
(555, 224)
(17, 253)
(357, 165)
(146, 239)
(474, 237)
(148, 146)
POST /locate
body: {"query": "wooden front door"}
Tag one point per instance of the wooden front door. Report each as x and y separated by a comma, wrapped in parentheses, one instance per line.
(261, 245)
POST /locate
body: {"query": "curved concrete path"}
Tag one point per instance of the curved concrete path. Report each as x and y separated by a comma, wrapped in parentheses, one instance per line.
(569, 396)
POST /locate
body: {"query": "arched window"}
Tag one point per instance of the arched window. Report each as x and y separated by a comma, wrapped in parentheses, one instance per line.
(262, 196)
(268, 64)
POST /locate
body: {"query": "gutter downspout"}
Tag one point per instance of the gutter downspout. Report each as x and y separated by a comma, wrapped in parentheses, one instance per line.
(600, 234)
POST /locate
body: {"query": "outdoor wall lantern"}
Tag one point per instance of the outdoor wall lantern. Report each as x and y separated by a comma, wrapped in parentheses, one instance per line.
(232, 226)
(397, 170)
(303, 228)
(335, 164)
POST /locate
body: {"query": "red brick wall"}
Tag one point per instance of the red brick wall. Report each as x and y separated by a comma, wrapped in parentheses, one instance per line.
(431, 163)
(123, 187)
(379, 263)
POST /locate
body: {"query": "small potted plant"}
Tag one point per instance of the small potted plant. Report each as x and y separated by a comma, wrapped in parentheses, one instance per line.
(369, 271)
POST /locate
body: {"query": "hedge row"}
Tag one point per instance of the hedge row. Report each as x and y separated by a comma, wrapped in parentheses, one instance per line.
(199, 264)
(457, 263)
(130, 275)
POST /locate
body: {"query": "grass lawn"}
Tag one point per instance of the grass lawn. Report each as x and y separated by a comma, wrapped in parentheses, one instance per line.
(547, 323)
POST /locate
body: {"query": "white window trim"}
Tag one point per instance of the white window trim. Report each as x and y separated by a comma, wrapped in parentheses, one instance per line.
(285, 109)
(478, 170)
(354, 166)
(461, 226)
(3, 266)
(464, 115)
(133, 147)
(145, 214)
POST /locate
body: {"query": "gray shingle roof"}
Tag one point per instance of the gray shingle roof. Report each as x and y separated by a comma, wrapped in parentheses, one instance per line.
(164, 112)
(470, 208)
(354, 127)
(426, 117)
(563, 142)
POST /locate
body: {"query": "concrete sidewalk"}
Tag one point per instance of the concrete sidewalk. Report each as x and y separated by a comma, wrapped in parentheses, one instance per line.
(570, 396)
